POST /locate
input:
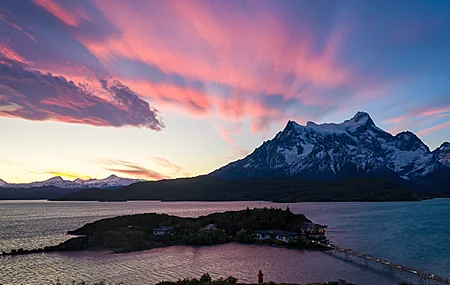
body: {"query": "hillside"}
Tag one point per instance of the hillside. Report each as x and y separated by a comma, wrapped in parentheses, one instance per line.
(208, 188)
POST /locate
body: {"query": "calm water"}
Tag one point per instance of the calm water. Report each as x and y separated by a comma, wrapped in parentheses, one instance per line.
(412, 233)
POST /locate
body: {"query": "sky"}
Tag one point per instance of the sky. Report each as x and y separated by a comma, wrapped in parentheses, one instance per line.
(175, 88)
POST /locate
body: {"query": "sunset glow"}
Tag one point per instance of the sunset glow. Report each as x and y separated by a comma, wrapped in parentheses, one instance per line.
(164, 89)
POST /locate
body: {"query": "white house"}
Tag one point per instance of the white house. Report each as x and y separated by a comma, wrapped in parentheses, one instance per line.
(163, 231)
(264, 234)
(286, 237)
(283, 236)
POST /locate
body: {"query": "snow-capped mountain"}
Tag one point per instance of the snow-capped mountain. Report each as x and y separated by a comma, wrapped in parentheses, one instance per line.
(112, 181)
(443, 154)
(353, 148)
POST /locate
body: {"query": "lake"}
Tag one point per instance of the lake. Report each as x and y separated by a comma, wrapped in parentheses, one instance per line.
(415, 234)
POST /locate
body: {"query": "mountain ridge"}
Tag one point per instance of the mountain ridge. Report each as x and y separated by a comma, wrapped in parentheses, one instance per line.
(353, 148)
(109, 182)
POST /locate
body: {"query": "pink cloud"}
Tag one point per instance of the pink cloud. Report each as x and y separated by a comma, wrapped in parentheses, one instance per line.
(195, 101)
(59, 12)
(5, 16)
(228, 133)
(32, 95)
(416, 115)
(253, 55)
(251, 52)
(433, 129)
(10, 54)
(396, 120)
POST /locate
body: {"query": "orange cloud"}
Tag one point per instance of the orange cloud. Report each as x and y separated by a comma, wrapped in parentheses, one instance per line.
(132, 169)
(175, 169)
(67, 174)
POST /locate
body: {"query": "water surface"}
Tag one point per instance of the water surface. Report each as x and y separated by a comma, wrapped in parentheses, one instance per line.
(412, 233)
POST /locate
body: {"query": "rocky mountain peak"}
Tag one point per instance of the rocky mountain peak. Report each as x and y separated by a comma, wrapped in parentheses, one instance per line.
(442, 153)
(353, 148)
(55, 179)
(362, 118)
(445, 145)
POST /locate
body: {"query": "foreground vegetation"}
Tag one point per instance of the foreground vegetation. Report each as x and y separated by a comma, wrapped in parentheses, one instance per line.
(205, 279)
(208, 188)
(135, 232)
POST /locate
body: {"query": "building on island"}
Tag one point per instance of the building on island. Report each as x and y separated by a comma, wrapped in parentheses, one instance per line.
(313, 231)
(287, 237)
(163, 230)
(284, 236)
(210, 227)
(264, 234)
(308, 231)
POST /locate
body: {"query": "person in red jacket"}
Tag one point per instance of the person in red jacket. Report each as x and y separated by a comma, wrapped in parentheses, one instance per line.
(260, 277)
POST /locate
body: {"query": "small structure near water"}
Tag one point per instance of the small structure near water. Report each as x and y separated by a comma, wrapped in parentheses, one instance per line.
(163, 230)
(308, 231)
(284, 236)
(210, 227)
(313, 231)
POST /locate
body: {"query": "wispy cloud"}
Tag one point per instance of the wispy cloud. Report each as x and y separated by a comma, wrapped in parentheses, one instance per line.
(131, 169)
(434, 129)
(5, 16)
(6, 52)
(59, 12)
(176, 170)
(263, 61)
(67, 174)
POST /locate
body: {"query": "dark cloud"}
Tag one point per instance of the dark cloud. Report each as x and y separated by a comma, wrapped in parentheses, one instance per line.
(33, 95)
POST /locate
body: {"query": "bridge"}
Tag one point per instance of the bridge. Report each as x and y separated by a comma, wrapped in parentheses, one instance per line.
(422, 277)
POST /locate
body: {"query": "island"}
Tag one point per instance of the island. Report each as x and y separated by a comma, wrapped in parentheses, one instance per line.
(147, 231)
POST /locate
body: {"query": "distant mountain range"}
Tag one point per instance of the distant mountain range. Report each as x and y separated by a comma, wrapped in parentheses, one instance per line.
(351, 149)
(110, 182)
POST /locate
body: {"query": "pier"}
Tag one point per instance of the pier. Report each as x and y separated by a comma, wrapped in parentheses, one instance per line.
(421, 277)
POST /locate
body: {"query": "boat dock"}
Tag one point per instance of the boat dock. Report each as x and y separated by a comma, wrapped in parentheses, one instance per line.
(422, 277)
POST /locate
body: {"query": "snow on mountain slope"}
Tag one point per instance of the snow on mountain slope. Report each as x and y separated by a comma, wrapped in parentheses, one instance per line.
(443, 154)
(353, 148)
(112, 181)
(3, 182)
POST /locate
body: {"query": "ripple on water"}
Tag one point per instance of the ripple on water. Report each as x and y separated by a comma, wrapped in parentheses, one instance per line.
(412, 233)
(152, 266)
